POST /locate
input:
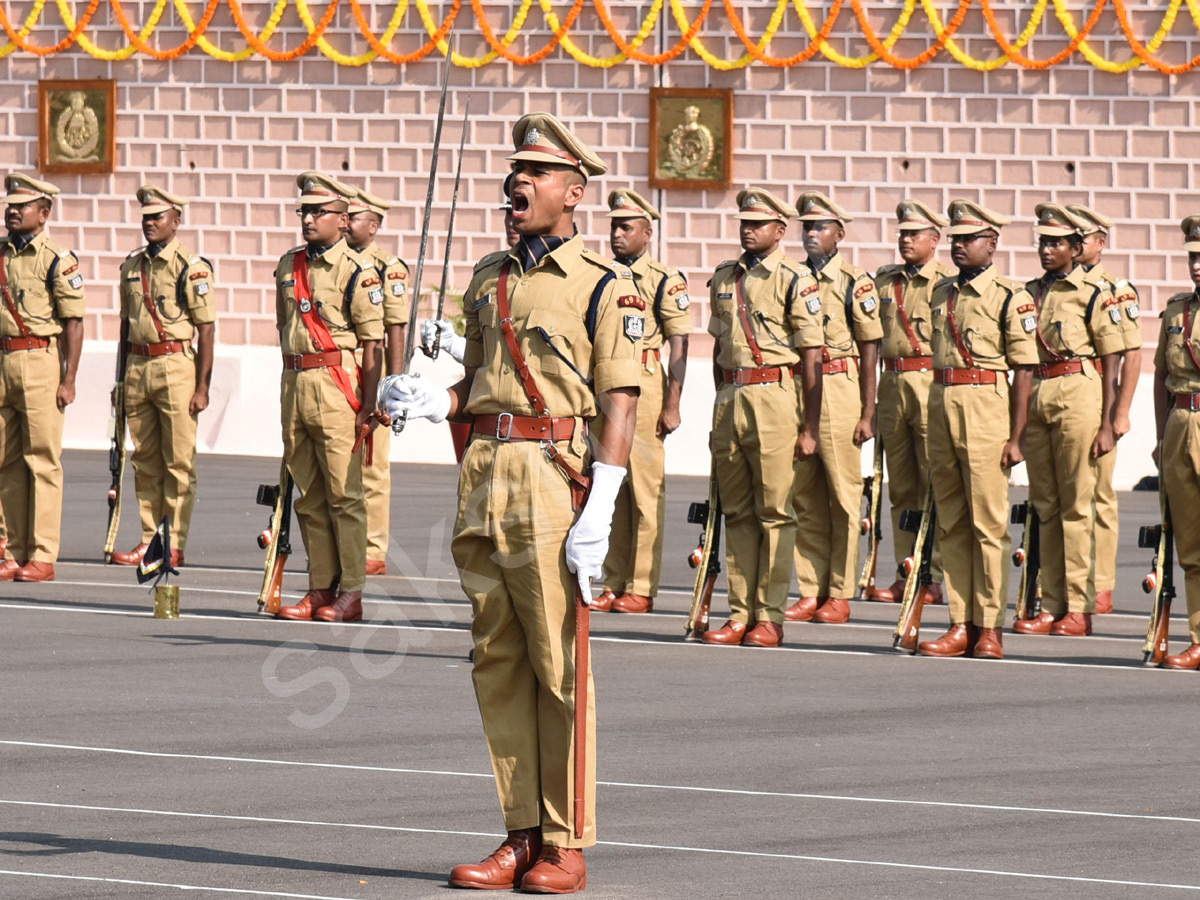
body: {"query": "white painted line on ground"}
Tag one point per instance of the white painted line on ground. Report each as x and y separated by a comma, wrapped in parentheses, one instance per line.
(714, 851)
(164, 884)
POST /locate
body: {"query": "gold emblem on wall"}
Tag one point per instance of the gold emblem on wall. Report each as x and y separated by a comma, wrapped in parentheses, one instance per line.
(691, 131)
(77, 127)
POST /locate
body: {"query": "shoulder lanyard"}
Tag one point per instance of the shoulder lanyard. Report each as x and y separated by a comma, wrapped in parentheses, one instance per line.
(317, 330)
(8, 300)
(898, 290)
(744, 318)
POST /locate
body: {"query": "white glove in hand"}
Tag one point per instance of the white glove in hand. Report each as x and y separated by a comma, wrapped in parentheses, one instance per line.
(587, 541)
(417, 398)
(451, 341)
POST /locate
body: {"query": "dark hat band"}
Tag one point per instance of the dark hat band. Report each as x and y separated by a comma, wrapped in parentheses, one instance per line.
(561, 154)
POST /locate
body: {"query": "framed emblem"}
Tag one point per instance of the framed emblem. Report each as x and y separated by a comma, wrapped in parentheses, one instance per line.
(77, 127)
(691, 138)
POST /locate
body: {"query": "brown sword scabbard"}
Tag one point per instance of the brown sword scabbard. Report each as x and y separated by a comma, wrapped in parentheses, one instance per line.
(583, 617)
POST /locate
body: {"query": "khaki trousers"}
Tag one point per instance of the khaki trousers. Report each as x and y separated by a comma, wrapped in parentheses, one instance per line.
(753, 445)
(1181, 476)
(31, 475)
(903, 416)
(377, 488)
(635, 544)
(827, 495)
(157, 393)
(1064, 418)
(968, 428)
(1108, 522)
(318, 436)
(514, 512)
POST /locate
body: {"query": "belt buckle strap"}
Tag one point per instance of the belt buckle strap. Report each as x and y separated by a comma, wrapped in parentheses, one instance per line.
(947, 376)
(504, 423)
(739, 377)
(1193, 402)
(297, 362)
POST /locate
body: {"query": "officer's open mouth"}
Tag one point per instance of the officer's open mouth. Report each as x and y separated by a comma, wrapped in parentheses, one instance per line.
(520, 204)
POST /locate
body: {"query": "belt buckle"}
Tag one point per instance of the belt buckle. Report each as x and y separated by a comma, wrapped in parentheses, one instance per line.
(297, 362)
(739, 378)
(947, 377)
(1194, 402)
(500, 423)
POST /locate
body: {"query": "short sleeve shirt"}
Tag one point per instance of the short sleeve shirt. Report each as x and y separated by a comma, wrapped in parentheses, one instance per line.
(181, 290)
(995, 319)
(45, 286)
(849, 307)
(899, 290)
(350, 311)
(1078, 317)
(390, 276)
(1178, 329)
(665, 292)
(1127, 299)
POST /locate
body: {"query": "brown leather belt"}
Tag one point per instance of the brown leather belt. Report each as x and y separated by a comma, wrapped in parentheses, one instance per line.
(965, 376)
(837, 366)
(509, 427)
(646, 354)
(1069, 367)
(301, 361)
(1190, 402)
(12, 344)
(750, 375)
(908, 364)
(166, 348)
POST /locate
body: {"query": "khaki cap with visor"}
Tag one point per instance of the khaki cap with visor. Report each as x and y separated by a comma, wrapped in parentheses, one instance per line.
(539, 137)
(23, 189)
(968, 217)
(760, 205)
(626, 203)
(364, 202)
(1095, 221)
(1057, 221)
(914, 215)
(813, 206)
(155, 200)
(1191, 232)
(318, 189)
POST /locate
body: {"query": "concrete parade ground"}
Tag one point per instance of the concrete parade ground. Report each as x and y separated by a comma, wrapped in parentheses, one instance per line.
(232, 755)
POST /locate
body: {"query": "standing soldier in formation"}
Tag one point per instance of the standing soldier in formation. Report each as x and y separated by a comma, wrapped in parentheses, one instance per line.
(41, 337)
(828, 488)
(166, 299)
(1177, 418)
(983, 325)
(634, 561)
(323, 310)
(1079, 336)
(905, 294)
(765, 310)
(381, 271)
(1095, 239)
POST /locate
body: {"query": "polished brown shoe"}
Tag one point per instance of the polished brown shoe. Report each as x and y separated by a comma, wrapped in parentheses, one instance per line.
(130, 557)
(1040, 624)
(633, 603)
(346, 608)
(303, 611)
(989, 644)
(802, 610)
(376, 567)
(934, 595)
(891, 594)
(955, 642)
(834, 611)
(8, 569)
(604, 602)
(1073, 625)
(35, 571)
(558, 870)
(1188, 659)
(1103, 603)
(730, 633)
(3, 546)
(504, 869)
(764, 634)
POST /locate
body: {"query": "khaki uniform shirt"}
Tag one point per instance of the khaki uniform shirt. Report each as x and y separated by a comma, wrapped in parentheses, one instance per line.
(849, 307)
(180, 287)
(665, 291)
(549, 306)
(351, 311)
(783, 305)
(44, 284)
(391, 275)
(1126, 296)
(996, 319)
(1172, 354)
(1078, 317)
(916, 293)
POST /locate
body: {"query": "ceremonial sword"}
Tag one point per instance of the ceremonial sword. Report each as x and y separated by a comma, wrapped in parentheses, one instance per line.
(437, 335)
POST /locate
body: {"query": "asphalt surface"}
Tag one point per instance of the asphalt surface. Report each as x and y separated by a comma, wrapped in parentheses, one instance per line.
(233, 755)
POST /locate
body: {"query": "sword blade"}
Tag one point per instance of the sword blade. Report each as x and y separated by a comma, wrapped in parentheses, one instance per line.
(462, 143)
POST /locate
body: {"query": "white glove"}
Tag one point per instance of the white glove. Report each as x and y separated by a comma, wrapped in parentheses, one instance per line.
(409, 395)
(587, 541)
(451, 341)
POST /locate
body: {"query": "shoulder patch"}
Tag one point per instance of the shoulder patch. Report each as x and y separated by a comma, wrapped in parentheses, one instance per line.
(631, 300)
(866, 288)
(1025, 308)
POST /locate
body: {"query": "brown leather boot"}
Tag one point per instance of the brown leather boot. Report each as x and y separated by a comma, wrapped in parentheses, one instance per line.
(764, 634)
(346, 608)
(505, 867)
(1041, 624)
(1073, 624)
(604, 602)
(376, 566)
(955, 642)
(558, 870)
(8, 569)
(730, 633)
(130, 557)
(802, 610)
(989, 644)
(933, 594)
(1103, 603)
(889, 594)
(633, 603)
(303, 611)
(35, 571)
(1188, 659)
(834, 611)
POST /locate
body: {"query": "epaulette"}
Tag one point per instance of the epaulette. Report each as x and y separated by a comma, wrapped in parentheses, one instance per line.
(889, 269)
(605, 263)
(728, 262)
(948, 281)
(138, 252)
(794, 267)
(299, 249)
(656, 266)
(852, 270)
(1179, 298)
(491, 259)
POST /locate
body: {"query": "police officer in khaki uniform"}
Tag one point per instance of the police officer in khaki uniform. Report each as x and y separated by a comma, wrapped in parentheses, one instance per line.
(166, 299)
(905, 292)
(1079, 336)
(828, 488)
(635, 552)
(1095, 240)
(323, 310)
(983, 325)
(522, 560)
(391, 275)
(764, 320)
(1177, 416)
(41, 336)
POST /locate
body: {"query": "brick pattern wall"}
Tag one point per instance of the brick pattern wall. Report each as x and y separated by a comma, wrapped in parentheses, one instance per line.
(233, 136)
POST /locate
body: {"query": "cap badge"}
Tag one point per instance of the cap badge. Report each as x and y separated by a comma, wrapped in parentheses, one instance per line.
(810, 205)
(958, 215)
(532, 136)
(906, 212)
(310, 185)
(1047, 217)
(1195, 232)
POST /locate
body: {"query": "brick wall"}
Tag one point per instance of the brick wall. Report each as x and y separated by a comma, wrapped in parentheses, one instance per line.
(233, 136)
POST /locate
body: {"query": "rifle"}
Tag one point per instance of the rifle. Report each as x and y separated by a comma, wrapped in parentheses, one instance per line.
(432, 353)
(275, 539)
(918, 574)
(705, 559)
(1028, 558)
(873, 506)
(116, 452)
(1160, 582)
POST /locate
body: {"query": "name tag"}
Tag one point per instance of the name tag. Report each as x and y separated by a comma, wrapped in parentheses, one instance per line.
(1174, 329)
(291, 282)
(725, 296)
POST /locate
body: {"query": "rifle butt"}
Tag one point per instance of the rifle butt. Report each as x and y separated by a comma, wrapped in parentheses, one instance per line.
(271, 597)
(909, 635)
(697, 625)
(1153, 658)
